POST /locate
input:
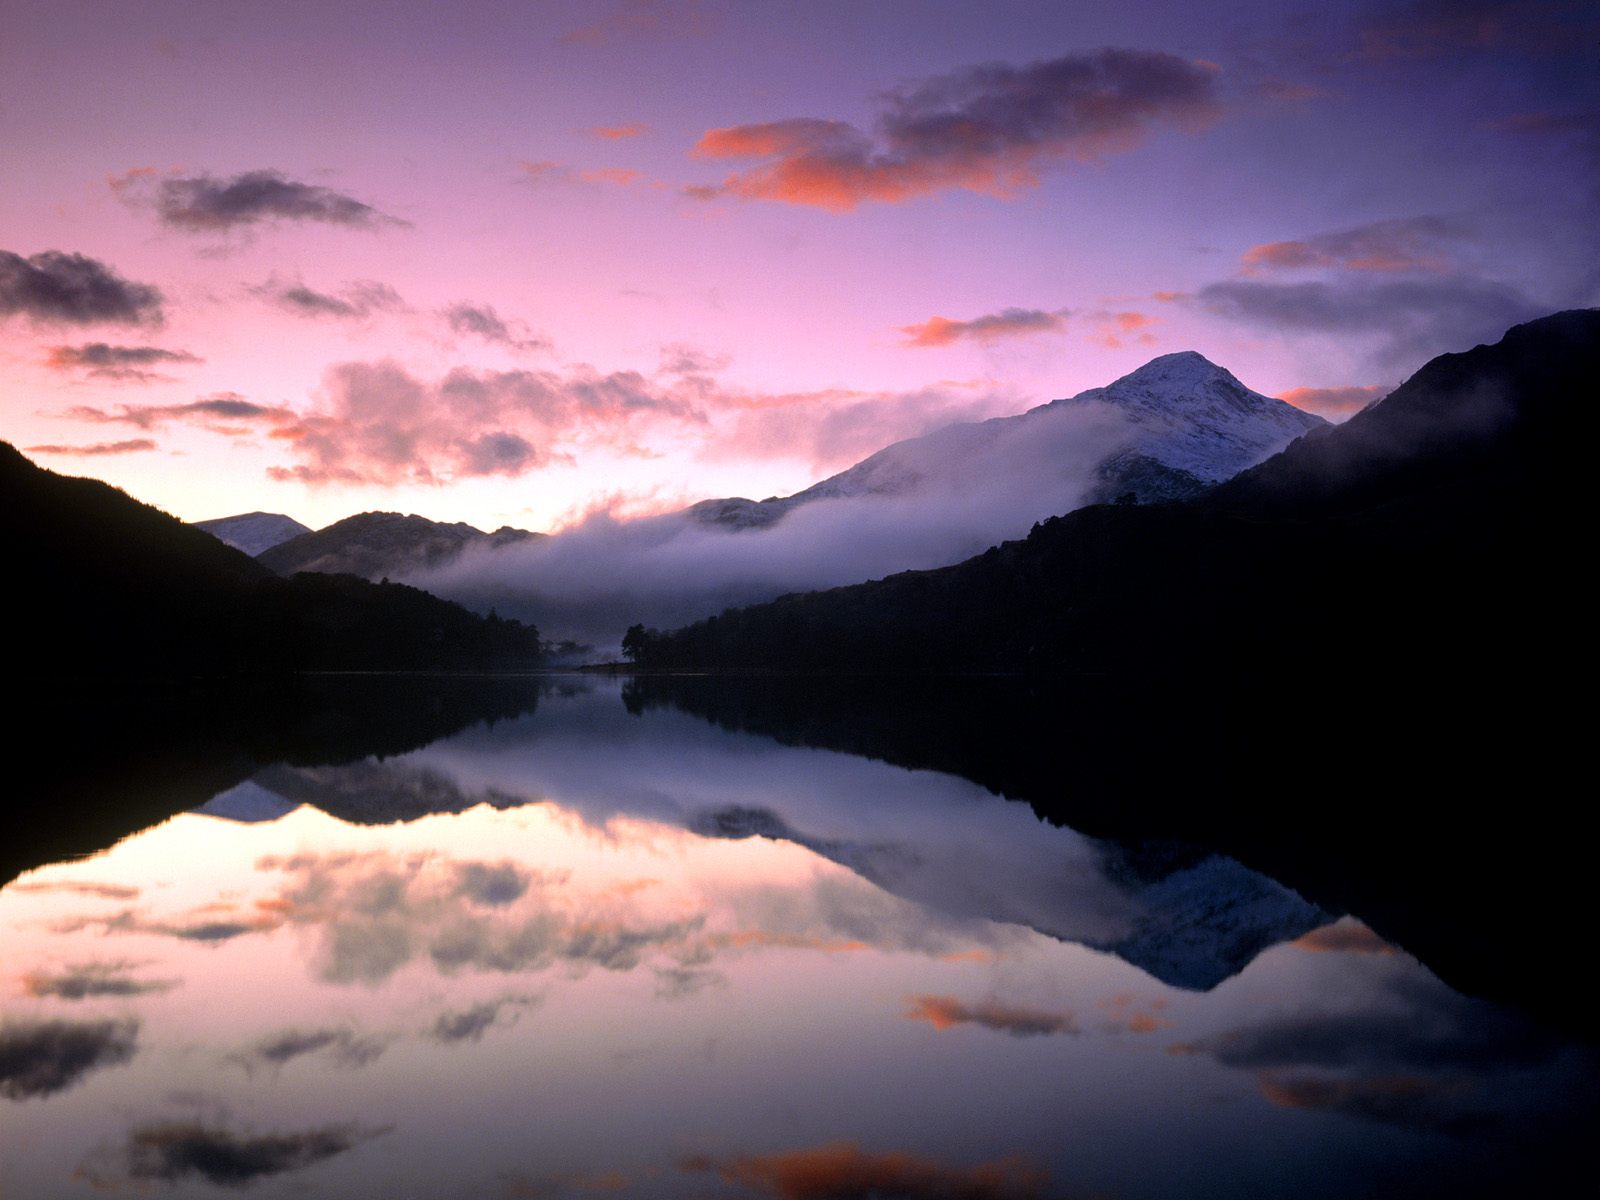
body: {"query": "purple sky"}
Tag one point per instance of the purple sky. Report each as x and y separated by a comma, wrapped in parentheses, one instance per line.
(508, 263)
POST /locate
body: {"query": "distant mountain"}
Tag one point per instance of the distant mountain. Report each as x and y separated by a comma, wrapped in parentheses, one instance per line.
(253, 532)
(378, 545)
(100, 583)
(1436, 527)
(1175, 427)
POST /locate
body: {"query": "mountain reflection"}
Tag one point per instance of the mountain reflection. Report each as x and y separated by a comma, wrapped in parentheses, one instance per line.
(609, 946)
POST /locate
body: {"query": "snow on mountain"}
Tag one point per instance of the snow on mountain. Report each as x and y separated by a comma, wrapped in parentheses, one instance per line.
(1175, 427)
(253, 532)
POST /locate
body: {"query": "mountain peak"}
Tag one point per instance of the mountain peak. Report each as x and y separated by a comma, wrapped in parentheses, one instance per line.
(1185, 366)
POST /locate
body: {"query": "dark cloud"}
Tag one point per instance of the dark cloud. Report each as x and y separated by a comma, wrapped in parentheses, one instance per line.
(1405, 244)
(174, 1151)
(1411, 320)
(221, 411)
(1408, 1101)
(987, 129)
(1008, 322)
(843, 1171)
(1437, 1031)
(481, 321)
(470, 1024)
(39, 1058)
(343, 1047)
(946, 1012)
(95, 449)
(208, 204)
(491, 884)
(361, 298)
(203, 929)
(1416, 1055)
(84, 981)
(122, 363)
(69, 289)
(678, 983)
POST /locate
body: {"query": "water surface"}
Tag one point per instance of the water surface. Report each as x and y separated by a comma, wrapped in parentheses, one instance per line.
(606, 946)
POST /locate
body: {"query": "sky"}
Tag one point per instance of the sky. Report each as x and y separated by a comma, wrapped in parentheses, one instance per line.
(520, 263)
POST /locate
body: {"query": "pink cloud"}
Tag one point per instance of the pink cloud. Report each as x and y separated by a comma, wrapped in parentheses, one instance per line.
(1009, 322)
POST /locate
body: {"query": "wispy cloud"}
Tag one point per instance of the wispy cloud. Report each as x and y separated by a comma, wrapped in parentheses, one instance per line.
(631, 19)
(83, 981)
(482, 321)
(946, 1012)
(54, 287)
(988, 129)
(94, 449)
(617, 133)
(118, 363)
(1008, 322)
(1405, 244)
(1410, 320)
(341, 1046)
(213, 204)
(470, 1024)
(357, 299)
(222, 412)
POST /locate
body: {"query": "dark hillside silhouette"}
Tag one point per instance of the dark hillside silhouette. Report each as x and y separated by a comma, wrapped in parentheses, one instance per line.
(100, 582)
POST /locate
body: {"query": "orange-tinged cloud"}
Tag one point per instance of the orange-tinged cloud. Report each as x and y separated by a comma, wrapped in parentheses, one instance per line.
(988, 129)
(766, 939)
(946, 1012)
(1405, 244)
(619, 176)
(1114, 329)
(94, 449)
(1348, 936)
(1335, 403)
(617, 133)
(1009, 322)
(842, 1170)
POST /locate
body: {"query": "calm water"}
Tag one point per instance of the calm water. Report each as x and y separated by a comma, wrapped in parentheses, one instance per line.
(609, 947)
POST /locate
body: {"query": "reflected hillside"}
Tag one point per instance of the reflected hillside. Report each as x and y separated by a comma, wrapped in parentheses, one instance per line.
(111, 759)
(1430, 807)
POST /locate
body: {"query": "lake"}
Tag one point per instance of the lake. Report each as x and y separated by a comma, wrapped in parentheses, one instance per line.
(585, 936)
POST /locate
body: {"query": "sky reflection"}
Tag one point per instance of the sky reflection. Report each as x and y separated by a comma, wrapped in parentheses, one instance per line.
(638, 954)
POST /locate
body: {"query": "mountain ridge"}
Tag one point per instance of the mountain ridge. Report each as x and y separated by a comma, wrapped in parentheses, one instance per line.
(1168, 454)
(1435, 500)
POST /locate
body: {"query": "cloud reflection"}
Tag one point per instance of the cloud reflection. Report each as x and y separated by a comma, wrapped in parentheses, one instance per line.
(82, 981)
(843, 1171)
(40, 1058)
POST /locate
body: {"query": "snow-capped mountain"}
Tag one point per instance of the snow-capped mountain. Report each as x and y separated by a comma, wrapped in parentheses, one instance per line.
(253, 532)
(1173, 428)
